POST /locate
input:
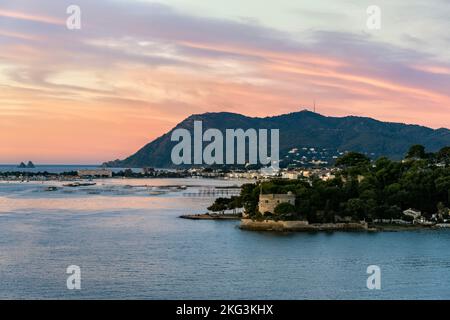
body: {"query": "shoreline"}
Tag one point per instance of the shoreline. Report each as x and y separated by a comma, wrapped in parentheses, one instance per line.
(304, 226)
(209, 216)
(398, 228)
(300, 226)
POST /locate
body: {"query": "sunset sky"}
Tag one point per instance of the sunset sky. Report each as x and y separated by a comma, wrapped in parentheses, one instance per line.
(137, 68)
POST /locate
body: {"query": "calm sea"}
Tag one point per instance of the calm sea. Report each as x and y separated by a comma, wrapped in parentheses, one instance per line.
(130, 243)
(51, 168)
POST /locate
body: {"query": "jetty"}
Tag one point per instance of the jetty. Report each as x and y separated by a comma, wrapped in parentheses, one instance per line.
(212, 216)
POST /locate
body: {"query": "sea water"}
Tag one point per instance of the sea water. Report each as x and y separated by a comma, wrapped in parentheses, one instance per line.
(129, 244)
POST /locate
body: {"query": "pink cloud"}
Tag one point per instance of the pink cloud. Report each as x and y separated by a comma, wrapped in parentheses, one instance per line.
(104, 92)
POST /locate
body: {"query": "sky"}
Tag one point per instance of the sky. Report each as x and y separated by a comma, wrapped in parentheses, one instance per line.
(137, 68)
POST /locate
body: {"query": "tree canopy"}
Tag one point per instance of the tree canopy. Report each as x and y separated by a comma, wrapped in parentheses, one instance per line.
(352, 159)
(362, 189)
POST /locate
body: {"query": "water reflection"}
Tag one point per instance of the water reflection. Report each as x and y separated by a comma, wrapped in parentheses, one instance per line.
(134, 246)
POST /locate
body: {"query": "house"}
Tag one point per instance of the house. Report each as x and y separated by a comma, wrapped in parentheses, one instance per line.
(290, 175)
(268, 202)
(415, 214)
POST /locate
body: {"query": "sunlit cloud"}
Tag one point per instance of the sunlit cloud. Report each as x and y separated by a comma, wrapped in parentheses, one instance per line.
(136, 69)
(31, 17)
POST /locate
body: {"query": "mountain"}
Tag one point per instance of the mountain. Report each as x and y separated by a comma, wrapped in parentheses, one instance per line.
(303, 129)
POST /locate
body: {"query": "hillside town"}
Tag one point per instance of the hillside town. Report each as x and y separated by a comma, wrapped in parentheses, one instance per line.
(323, 173)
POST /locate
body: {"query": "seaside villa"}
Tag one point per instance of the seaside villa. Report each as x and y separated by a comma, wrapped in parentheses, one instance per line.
(415, 214)
(268, 202)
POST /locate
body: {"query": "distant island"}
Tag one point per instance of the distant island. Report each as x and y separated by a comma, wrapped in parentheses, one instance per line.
(29, 165)
(306, 138)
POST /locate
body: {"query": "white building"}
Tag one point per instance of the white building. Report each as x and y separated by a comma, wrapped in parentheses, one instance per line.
(290, 175)
(415, 214)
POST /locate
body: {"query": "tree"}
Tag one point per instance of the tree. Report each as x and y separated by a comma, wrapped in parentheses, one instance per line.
(285, 211)
(352, 159)
(416, 151)
(220, 205)
(234, 203)
(284, 208)
(444, 155)
(249, 197)
(442, 210)
(394, 212)
(443, 187)
(356, 208)
(128, 173)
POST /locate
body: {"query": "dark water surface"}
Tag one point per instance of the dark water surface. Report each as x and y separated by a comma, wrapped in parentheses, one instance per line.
(130, 244)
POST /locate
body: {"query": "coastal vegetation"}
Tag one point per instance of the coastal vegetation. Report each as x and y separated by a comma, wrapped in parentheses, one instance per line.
(361, 189)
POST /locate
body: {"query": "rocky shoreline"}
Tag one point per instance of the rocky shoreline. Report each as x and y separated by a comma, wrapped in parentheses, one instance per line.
(304, 226)
(300, 226)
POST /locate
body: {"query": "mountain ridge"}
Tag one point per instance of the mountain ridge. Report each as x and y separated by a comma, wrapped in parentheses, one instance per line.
(302, 129)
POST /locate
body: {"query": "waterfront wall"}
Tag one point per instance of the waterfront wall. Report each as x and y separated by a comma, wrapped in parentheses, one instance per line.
(271, 225)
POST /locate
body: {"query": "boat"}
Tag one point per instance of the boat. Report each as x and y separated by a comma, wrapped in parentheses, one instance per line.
(79, 184)
(157, 192)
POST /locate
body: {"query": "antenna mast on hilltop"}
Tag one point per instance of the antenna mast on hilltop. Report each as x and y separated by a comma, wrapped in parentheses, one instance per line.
(314, 108)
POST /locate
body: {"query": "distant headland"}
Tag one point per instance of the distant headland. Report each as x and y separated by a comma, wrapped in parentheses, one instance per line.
(325, 138)
(29, 165)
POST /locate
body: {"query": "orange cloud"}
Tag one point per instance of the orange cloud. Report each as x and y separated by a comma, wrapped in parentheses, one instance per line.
(4, 33)
(31, 17)
(89, 102)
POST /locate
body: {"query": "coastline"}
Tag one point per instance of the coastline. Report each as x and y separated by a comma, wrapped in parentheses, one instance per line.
(304, 226)
(213, 216)
(300, 226)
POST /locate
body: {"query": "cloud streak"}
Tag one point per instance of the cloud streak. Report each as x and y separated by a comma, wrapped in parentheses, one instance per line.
(146, 66)
(31, 17)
